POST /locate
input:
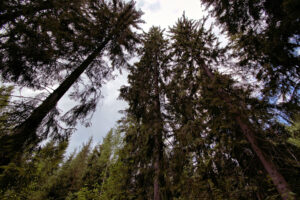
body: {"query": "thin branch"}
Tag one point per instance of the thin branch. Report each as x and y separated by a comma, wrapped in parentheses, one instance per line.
(20, 97)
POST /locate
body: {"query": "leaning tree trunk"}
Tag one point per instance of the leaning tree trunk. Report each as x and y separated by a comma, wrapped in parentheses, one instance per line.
(24, 134)
(281, 184)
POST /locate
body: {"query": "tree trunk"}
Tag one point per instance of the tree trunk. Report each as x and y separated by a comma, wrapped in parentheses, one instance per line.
(25, 133)
(158, 128)
(278, 180)
(157, 170)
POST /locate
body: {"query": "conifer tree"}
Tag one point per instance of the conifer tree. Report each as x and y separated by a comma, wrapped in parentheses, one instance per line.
(36, 34)
(95, 180)
(266, 36)
(145, 96)
(113, 23)
(69, 178)
(30, 179)
(113, 175)
(197, 46)
(190, 132)
(98, 163)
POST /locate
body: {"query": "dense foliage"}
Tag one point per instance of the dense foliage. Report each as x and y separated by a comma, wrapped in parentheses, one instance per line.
(106, 28)
(190, 131)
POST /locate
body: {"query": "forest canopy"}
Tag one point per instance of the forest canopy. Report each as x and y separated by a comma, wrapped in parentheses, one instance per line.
(205, 119)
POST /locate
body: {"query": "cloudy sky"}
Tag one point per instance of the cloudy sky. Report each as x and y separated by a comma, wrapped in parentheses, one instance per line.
(163, 13)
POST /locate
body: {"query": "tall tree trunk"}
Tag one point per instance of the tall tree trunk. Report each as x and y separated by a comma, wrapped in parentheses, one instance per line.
(158, 143)
(281, 184)
(25, 133)
(157, 167)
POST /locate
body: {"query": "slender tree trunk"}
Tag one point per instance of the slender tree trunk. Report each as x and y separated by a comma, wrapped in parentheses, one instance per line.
(278, 180)
(258, 196)
(158, 143)
(157, 170)
(25, 133)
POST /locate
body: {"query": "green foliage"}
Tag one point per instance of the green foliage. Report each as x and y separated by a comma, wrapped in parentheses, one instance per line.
(295, 128)
(5, 93)
(146, 103)
(180, 132)
(295, 132)
(30, 178)
(265, 35)
(74, 42)
(36, 35)
(84, 194)
(207, 125)
(69, 177)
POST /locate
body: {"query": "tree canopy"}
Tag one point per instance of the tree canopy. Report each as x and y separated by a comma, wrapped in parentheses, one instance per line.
(191, 130)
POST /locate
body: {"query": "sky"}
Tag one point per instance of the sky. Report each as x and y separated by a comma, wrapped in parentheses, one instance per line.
(163, 13)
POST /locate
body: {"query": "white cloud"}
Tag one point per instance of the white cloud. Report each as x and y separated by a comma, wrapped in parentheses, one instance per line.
(106, 115)
(154, 6)
(169, 11)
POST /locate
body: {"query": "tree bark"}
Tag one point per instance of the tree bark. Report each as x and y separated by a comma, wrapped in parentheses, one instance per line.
(158, 128)
(26, 132)
(157, 170)
(278, 180)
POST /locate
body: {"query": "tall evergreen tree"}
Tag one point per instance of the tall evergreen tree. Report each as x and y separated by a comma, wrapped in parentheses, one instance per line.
(145, 96)
(31, 178)
(113, 23)
(93, 171)
(99, 163)
(136, 158)
(266, 36)
(190, 132)
(200, 148)
(69, 178)
(197, 46)
(36, 34)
